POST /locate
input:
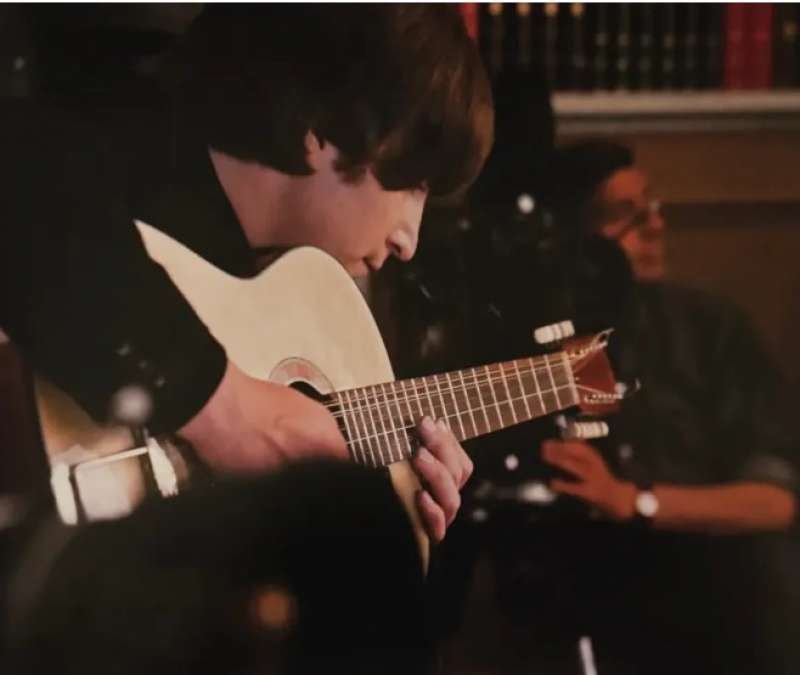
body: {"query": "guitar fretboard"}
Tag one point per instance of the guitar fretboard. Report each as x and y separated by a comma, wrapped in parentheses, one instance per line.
(379, 421)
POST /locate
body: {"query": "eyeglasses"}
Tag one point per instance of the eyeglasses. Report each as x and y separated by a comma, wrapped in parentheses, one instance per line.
(618, 228)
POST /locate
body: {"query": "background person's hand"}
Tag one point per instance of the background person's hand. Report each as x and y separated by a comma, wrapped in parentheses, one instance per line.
(594, 483)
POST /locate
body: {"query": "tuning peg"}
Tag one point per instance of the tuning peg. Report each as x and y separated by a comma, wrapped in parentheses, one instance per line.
(554, 332)
(572, 429)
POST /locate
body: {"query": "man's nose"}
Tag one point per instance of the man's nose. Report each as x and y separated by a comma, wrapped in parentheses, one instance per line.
(655, 221)
(403, 243)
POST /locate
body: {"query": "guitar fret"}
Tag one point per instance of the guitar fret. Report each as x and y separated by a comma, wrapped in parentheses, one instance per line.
(433, 414)
(362, 431)
(570, 377)
(552, 381)
(536, 384)
(455, 406)
(401, 432)
(385, 432)
(508, 394)
(494, 396)
(418, 397)
(441, 400)
(522, 391)
(374, 432)
(351, 438)
(480, 398)
(469, 404)
(391, 422)
(408, 403)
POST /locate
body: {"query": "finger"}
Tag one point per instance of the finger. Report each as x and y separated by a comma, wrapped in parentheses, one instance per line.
(577, 451)
(576, 468)
(441, 442)
(439, 481)
(433, 518)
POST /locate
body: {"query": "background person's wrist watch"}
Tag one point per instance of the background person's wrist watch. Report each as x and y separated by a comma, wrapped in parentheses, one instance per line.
(645, 506)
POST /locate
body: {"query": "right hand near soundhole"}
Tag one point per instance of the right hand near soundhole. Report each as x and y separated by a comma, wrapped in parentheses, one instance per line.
(249, 425)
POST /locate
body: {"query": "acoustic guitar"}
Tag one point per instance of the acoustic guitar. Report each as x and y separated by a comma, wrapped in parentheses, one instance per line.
(303, 322)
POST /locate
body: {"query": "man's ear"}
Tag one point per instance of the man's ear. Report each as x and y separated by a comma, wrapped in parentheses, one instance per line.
(316, 150)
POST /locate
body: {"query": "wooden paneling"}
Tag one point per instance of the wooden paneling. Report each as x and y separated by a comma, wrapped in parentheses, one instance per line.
(750, 254)
(732, 167)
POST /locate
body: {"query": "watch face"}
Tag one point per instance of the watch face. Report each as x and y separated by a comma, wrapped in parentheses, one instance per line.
(646, 504)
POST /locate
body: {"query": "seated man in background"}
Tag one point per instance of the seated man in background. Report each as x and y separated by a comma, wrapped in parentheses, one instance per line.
(707, 447)
(703, 372)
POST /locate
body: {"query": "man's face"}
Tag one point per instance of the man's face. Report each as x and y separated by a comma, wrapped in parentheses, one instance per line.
(359, 223)
(626, 212)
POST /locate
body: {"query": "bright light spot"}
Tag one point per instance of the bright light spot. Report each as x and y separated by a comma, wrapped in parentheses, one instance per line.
(512, 462)
(536, 493)
(625, 451)
(480, 515)
(274, 609)
(132, 405)
(525, 203)
(587, 655)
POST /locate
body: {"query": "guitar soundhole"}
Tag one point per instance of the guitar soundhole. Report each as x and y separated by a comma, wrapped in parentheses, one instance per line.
(327, 400)
(309, 390)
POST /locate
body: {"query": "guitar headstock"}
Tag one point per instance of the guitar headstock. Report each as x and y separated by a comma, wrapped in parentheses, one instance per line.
(599, 392)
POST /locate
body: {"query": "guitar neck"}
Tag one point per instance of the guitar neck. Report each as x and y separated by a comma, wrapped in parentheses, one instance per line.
(379, 420)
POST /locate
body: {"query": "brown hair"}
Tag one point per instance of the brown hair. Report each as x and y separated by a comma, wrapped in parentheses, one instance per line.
(398, 89)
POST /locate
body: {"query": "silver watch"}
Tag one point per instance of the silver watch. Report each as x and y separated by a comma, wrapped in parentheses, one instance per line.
(646, 506)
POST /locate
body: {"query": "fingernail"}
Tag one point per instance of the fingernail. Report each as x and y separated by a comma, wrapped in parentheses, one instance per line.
(428, 424)
(442, 424)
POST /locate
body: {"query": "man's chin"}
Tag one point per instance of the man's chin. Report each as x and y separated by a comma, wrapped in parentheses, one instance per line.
(360, 273)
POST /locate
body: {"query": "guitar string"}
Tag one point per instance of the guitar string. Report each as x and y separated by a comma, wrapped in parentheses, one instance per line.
(405, 428)
(459, 413)
(380, 401)
(494, 370)
(386, 403)
(499, 374)
(404, 455)
(471, 379)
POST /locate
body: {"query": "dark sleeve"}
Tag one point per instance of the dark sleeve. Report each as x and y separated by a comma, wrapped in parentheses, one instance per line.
(753, 406)
(80, 296)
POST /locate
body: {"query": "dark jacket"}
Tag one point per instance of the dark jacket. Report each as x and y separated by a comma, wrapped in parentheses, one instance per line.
(80, 296)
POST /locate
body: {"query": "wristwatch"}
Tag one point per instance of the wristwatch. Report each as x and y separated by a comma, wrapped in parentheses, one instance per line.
(645, 506)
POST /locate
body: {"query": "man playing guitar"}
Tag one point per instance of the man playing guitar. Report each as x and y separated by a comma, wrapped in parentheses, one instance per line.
(296, 125)
(321, 126)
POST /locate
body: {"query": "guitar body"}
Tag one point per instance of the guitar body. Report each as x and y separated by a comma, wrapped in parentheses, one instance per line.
(302, 320)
